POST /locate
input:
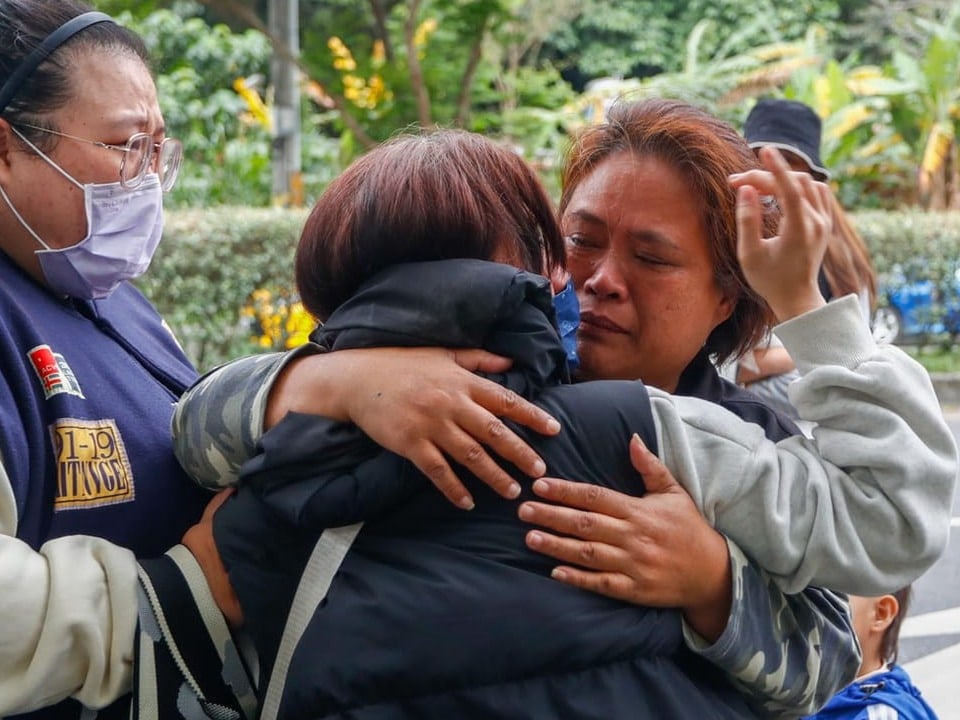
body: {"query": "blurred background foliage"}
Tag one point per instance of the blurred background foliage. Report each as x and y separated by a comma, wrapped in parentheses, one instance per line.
(222, 280)
(883, 74)
(222, 276)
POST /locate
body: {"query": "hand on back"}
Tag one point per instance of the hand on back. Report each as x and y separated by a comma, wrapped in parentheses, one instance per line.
(427, 405)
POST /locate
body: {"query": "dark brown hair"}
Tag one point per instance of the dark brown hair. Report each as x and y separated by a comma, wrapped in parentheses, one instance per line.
(24, 24)
(890, 643)
(705, 151)
(436, 195)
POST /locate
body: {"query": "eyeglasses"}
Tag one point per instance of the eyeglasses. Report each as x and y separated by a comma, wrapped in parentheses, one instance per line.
(138, 157)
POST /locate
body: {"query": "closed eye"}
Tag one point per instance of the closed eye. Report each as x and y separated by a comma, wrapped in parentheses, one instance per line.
(580, 241)
(651, 260)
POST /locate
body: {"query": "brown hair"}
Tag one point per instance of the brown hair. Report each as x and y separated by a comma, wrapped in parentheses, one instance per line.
(890, 643)
(705, 151)
(437, 195)
(846, 262)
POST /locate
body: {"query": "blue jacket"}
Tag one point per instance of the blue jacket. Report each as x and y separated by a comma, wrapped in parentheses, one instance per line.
(890, 695)
(436, 612)
(86, 396)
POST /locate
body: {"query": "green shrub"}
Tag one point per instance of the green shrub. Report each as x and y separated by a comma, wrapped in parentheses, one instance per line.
(920, 245)
(212, 261)
(206, 270)
(907, 247)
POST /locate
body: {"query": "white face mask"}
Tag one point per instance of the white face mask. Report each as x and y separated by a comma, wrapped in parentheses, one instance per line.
(124, 228)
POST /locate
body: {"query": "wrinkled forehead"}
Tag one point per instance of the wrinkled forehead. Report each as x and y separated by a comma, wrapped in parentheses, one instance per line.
(111, 88)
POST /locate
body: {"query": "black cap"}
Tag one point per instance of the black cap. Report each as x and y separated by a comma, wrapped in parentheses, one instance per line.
(788, 125)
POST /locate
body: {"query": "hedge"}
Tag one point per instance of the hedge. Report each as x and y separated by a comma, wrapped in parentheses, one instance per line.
(918, 245)
(207, 268)
(222, 273)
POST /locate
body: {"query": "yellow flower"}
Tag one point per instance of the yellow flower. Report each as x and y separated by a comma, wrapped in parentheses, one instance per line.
(279, 322)
(379, 55)
(255, 103)
(343, 58)
(378, 89)
(423, 31)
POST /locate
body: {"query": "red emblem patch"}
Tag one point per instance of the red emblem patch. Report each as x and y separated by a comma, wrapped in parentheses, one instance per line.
(55, 374)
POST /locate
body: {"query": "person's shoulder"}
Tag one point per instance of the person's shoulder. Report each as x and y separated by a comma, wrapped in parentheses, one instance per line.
(597, 402)
(893, 696)
(701, 379)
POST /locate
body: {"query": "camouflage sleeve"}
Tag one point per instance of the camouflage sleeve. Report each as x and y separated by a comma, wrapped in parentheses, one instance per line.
(788, 653)
(219, 420)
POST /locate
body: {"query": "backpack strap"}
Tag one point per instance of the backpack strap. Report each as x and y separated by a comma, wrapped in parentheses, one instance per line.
(325, 560)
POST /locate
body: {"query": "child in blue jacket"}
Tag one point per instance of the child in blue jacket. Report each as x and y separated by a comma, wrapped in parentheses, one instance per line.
(883, 690)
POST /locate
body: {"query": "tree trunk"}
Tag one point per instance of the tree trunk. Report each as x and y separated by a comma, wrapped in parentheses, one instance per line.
(952, 190)
(476, 54)
(417, 84)
(380, 18)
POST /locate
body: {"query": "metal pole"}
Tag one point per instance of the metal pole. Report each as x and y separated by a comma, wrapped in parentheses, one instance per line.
(284, 22)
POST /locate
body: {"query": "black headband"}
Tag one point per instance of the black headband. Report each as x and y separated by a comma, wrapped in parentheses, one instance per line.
(40, 53)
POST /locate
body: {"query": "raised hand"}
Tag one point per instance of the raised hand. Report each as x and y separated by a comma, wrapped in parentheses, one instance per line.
(783, 268)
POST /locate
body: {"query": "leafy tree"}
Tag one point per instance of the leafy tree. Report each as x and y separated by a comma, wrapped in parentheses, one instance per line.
(136, 8)
(504, 67)
(889, 132)
(868, 160)
(639, 38)
(928, 116)
(226, 152)
(721, 82)
(878, 27)
(396, 63)
(212, 82)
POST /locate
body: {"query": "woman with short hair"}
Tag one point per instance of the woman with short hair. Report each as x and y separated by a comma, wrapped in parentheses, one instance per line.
(398, 251)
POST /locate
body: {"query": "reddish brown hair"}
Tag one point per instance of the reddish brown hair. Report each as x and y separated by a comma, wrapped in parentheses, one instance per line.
(705, 151)
(846, 262)
(438, 195)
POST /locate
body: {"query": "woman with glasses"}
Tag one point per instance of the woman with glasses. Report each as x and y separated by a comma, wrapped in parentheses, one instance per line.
(88, 370)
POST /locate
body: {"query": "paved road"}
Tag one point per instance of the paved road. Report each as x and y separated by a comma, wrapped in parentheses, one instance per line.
(930, 639)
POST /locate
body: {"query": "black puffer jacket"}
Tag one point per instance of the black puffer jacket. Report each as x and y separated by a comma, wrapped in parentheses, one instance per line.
(437, 612)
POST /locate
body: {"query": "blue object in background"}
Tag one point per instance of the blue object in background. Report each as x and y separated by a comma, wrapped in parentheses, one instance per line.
(909, 309)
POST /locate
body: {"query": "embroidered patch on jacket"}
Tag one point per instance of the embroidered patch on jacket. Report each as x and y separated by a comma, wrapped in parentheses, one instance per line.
(55, 374)
(92, 464)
